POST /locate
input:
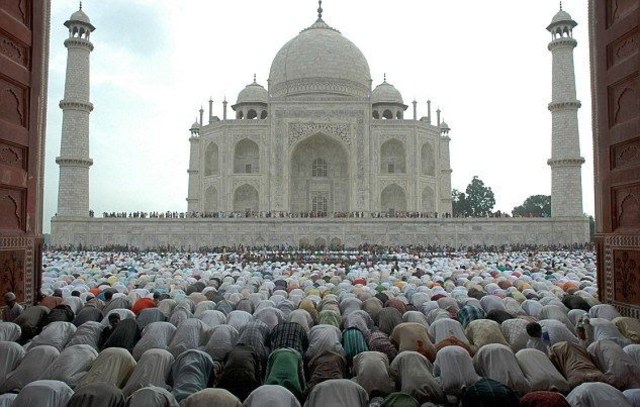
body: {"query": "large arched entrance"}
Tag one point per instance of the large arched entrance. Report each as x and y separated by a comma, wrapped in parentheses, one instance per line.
(245, 199)
(393, 199)
(319, 176)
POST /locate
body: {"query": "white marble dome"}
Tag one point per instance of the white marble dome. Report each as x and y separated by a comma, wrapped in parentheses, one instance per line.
(80, 16)
(253, 93)
(320, 60)
(386, 93)
(561, 16)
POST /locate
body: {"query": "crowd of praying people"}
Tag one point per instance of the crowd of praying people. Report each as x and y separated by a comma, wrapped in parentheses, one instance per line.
(273, 327)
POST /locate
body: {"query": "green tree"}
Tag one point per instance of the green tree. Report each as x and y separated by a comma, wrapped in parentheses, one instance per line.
(477, 200)
(537, 206)
(459, 204)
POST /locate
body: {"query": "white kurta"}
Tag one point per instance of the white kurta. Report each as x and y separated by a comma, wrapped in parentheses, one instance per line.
(152, 369)
(597, 395)
(497, 362)
(540, 371)
(44, 393)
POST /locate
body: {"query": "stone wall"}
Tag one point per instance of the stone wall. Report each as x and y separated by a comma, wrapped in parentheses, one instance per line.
(195, 233)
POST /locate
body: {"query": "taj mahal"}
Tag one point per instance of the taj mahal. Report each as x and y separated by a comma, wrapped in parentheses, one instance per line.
(324, 146)
(320, 140)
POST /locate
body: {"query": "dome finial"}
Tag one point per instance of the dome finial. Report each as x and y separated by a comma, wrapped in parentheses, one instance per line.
(560, 5)
(80, 4)
(254, 78)
(319, 9)
(384, 76)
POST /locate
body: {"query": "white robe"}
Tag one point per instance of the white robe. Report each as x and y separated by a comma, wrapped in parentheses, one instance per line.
(191, 334)
(156, 335)
(515, 332)
(11, 354)
(619, 368)
(414, 373)
(113, 366)
(270, 395)
(152, 397)
(87, 334)
(540, 371)
(633, 350)
(222, 339)
(446, 327)
(152, 369)
(454, 367)
(597, 395)
(337, 393)
(44, 393)
(213, 318)
(34, 362)
(9, 332)
(56, 334)
(72, 365)
(497, 362)
(371, 371)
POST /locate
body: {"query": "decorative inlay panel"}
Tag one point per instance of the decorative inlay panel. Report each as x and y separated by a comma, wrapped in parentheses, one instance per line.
(22, 250)
(12, 272)
(626, 266)
(18, 9)
(623, 48)
(625, 155)
(627, 207)
(13, 106)
(14, 50)
(12, 208)
(624, 100)
(298, 131)
(618, 9)
(13, 156)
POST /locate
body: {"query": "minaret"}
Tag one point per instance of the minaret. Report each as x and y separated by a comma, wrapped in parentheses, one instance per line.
(446, 200)
(193, 193)
(74, 161)
(565, 162)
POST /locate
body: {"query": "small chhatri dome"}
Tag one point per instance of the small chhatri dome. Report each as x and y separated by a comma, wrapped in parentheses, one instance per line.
(561, 18)
(80, 17)
(195, 125)
(253, 93)
(386, 93)
(444, 126)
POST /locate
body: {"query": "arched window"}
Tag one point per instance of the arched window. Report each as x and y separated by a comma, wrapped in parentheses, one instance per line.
(428, 200)
(319, 168)
(211, 160)
(252, 114)
(392, 160)
(211, 200)
(393, 199)
(387, 114)
(245, 198)
(319, 205)
(246, 157)
(428, 162)
(263, 115)
(376, 115)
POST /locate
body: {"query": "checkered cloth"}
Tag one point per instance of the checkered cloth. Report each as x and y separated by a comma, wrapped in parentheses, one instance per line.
(289, 335)
(469, 313)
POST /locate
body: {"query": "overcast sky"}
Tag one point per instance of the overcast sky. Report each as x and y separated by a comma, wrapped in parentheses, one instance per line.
(484, 63)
